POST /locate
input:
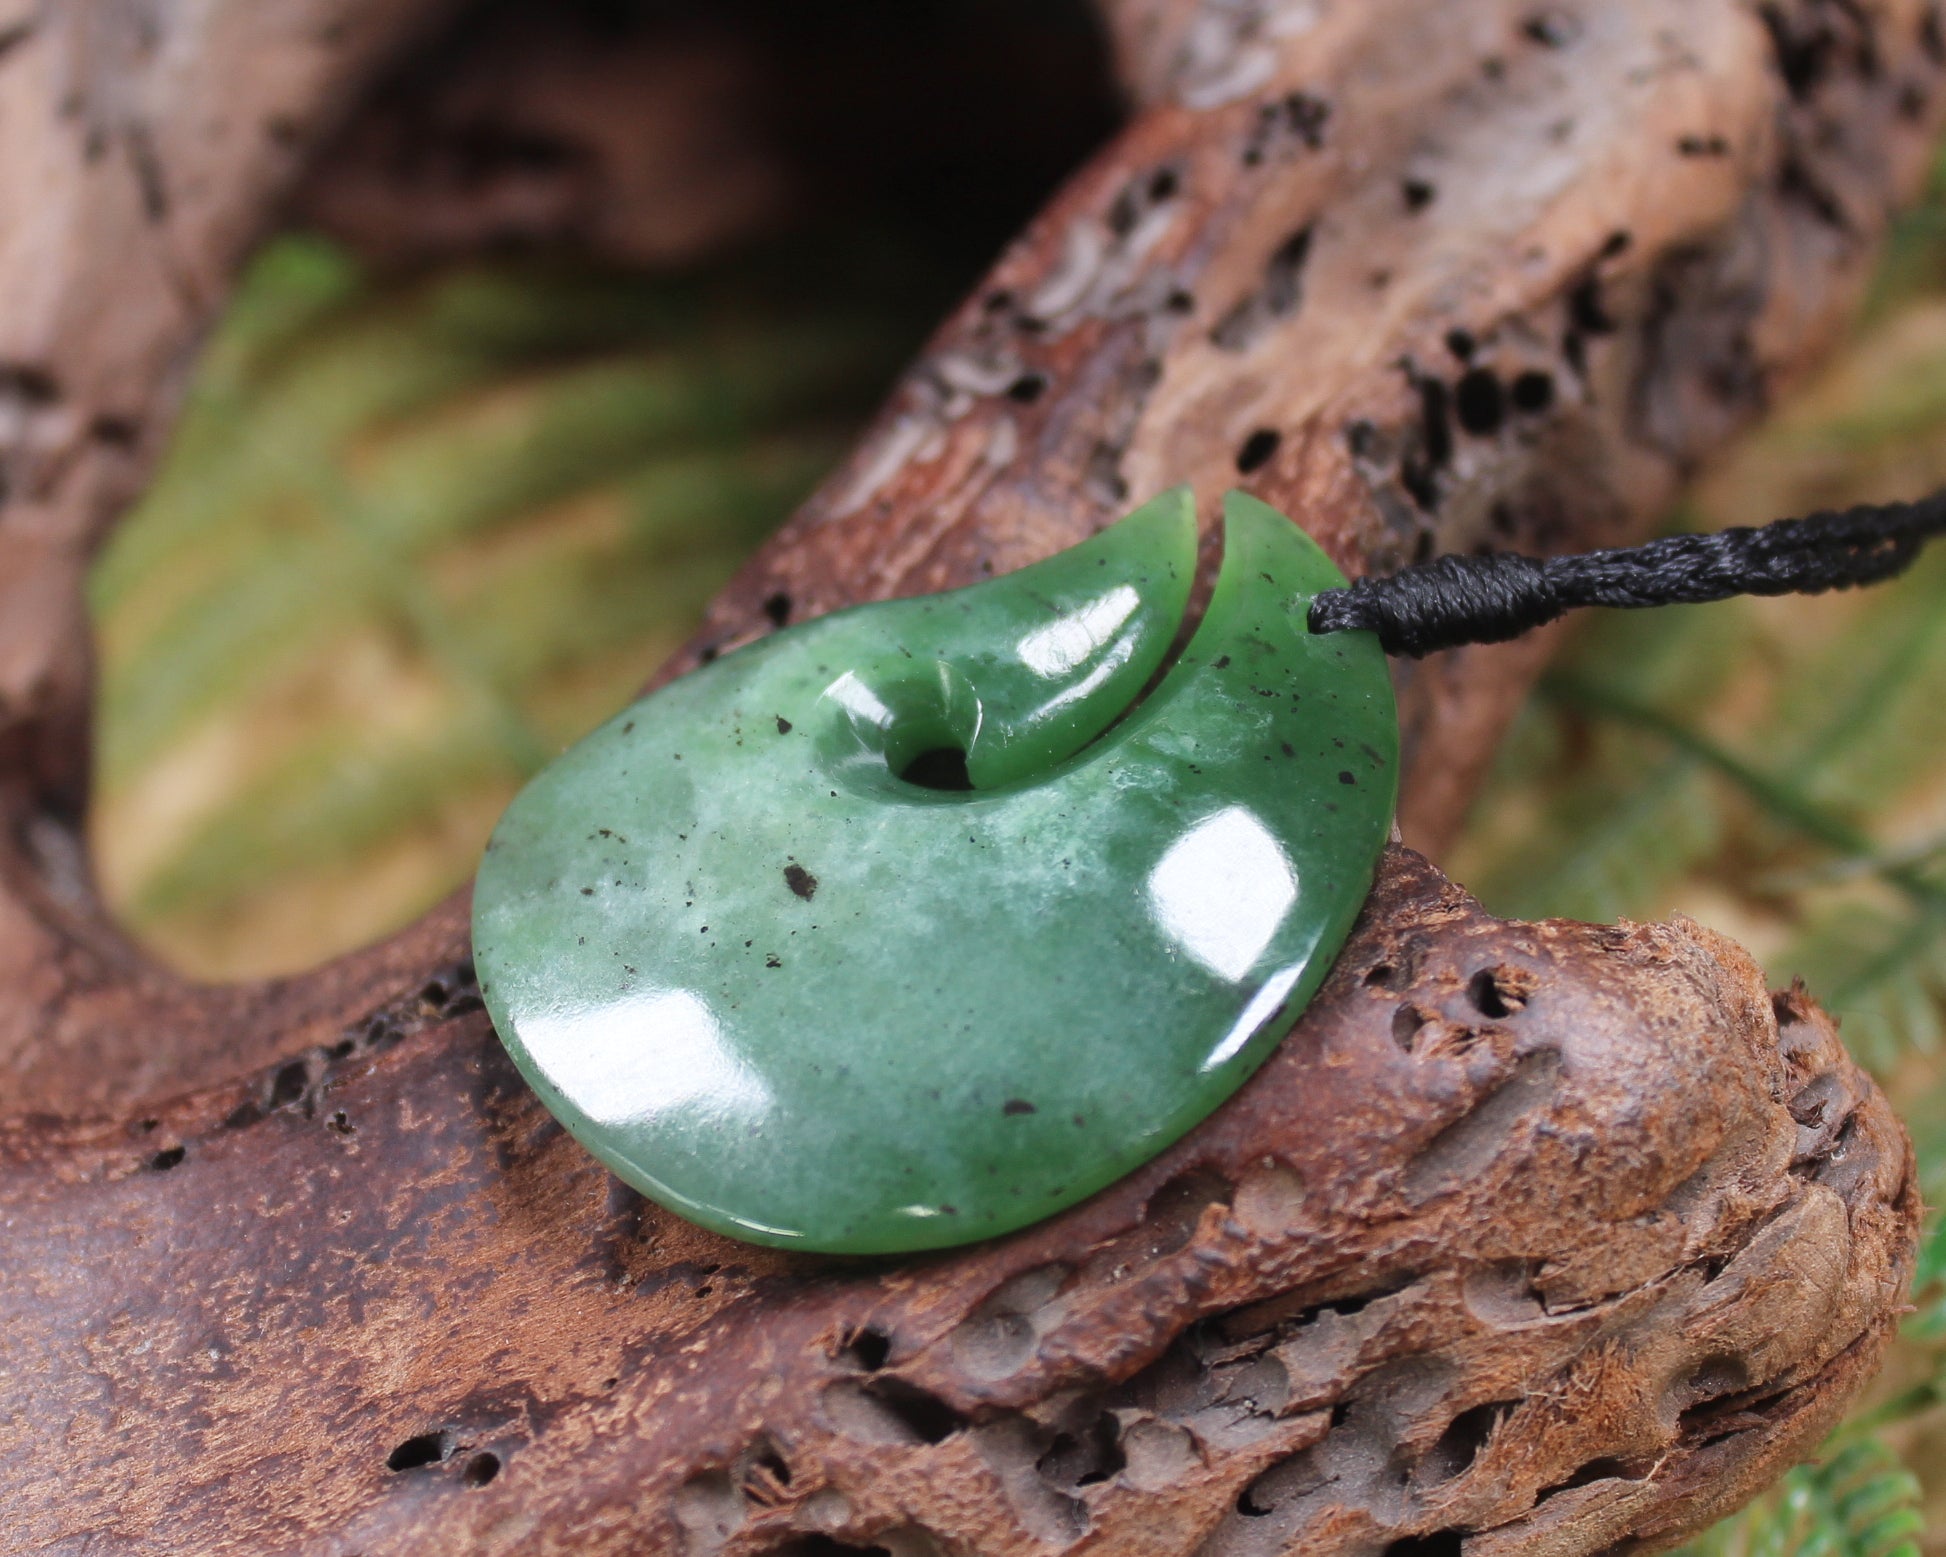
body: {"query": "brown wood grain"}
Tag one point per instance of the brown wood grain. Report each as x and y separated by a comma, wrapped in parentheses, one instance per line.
(1536, 1238)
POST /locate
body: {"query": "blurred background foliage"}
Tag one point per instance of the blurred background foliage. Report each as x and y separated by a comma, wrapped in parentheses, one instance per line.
(416, 534)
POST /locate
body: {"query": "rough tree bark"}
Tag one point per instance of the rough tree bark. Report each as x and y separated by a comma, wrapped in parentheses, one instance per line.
(1531, 1238)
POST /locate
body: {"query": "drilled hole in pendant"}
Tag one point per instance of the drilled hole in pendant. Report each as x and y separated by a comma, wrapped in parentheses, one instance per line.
(938, 767)
(920, 722)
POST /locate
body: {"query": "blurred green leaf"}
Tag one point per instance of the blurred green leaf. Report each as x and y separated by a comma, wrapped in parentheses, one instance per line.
(415, 535)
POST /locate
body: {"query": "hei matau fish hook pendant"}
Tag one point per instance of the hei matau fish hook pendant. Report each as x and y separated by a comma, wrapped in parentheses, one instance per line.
(911, 925)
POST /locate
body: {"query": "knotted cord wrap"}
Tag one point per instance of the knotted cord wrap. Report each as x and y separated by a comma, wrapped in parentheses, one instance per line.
(1490, 598)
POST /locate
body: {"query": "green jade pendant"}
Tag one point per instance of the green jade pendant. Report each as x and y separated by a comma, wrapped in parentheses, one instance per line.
(802, 1000)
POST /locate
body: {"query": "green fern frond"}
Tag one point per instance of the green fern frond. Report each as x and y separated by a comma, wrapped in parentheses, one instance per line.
(1607, 854)
(1862, 1502)
(1876, 725)
(415, 535)
(1879, 967)
(1586, 818)
(1926, 1325)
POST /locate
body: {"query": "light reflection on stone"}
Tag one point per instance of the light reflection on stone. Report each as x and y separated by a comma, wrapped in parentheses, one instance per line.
(643, 1058)
(1068, 642)
(1260, 1010)
(1222, 890)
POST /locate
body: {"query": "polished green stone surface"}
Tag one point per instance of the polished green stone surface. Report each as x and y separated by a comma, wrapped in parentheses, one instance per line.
(799, 999)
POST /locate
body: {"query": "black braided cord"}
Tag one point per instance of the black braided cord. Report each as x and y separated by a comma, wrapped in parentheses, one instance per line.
(1490, 598)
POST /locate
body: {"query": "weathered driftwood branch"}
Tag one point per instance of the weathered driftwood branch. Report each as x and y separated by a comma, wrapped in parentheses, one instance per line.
(1546, 1232)
(1532, 1238)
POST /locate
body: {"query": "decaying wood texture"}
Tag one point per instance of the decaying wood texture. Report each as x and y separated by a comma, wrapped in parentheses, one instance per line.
(1547, 1232)
(1531, 1238)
